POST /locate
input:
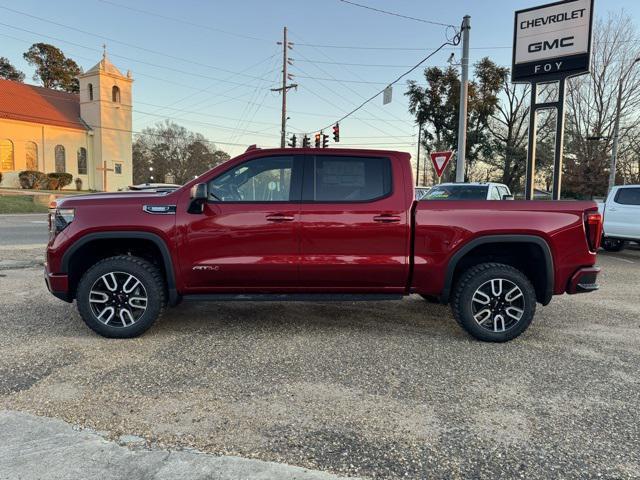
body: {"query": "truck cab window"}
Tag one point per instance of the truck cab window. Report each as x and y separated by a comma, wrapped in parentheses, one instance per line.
(266, 179)
(349, 179)
(628, 196)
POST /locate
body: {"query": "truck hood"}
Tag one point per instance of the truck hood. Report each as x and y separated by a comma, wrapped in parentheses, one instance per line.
(115, 198)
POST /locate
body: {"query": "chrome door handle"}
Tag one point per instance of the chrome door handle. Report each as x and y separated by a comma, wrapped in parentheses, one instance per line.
(279, 218)
(386, 219)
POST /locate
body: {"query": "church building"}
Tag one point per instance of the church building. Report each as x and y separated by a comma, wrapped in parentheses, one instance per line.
(87, 135)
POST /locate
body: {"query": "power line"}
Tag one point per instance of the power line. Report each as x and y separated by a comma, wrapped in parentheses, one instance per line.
(407, 49)
(386, 12)
(347, 87)
(104, 37)
(454, 42)
(133, 59)
(125, 130)
(185, 22)
(340, 80)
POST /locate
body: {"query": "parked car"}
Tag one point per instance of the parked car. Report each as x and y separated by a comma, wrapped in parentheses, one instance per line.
(621, 213)
(468, 191)
(316, 224)
(421, 192)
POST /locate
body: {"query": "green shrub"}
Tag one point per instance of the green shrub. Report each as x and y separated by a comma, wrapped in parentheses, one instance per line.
(57, 181)
(32, 179)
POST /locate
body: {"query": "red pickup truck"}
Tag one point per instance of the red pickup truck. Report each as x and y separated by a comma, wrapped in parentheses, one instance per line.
(319, 224)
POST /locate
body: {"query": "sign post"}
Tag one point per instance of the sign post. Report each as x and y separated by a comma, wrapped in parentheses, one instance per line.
(551, 43)
(440, 161)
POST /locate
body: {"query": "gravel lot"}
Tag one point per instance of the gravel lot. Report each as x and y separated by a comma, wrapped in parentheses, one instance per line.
(377, 390)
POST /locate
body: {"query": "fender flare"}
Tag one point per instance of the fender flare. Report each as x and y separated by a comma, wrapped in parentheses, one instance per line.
(167, 261)
(467, 247)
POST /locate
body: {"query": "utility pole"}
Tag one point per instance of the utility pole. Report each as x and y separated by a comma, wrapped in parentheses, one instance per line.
(614, 147)
(285, 76)
(616, 127)
(418, 155)
(464, 91)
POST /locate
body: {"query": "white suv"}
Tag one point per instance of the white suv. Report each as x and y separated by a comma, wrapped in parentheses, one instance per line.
(621, 212)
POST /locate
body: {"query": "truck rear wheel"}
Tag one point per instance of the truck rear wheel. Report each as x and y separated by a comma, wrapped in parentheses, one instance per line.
(494, 302)
(121, 297)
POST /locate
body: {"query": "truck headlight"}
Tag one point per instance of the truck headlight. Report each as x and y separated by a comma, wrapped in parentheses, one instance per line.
(59, 219)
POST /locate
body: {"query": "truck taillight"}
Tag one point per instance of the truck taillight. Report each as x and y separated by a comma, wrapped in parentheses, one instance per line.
(593, 228)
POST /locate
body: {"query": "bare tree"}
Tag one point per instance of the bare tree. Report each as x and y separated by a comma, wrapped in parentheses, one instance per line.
(591, 107)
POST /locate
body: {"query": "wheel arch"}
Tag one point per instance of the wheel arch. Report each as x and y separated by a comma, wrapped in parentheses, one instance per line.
(84, 244)
(544, 283)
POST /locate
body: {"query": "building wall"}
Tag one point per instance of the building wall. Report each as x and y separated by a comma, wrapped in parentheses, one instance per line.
(46, 137)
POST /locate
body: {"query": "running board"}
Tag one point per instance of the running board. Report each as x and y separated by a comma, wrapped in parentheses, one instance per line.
(293, 297)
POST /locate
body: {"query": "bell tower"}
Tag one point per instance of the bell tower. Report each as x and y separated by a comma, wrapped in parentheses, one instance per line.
(106, 108)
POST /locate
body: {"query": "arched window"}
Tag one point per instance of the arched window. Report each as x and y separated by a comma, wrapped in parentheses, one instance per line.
(6, 155)
(115, 94)
(31, 155)
(90, 88)
(82, 161)
(61, 161)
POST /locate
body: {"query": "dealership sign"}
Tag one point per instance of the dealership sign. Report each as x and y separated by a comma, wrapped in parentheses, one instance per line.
(552, 41)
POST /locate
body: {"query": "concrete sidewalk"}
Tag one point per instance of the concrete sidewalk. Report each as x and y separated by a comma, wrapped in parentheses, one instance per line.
(34, 448)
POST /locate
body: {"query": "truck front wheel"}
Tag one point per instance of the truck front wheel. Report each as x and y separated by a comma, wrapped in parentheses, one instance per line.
(494, 302)
(121, 297)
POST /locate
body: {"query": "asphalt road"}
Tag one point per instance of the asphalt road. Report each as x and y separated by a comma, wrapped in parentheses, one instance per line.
(29, 229)
(377, 390)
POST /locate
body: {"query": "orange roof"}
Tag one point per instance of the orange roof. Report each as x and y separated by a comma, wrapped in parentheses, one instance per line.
(29, 103)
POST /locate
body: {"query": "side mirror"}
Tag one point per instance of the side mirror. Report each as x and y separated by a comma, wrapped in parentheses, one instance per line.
(199, 195)
(507, 197)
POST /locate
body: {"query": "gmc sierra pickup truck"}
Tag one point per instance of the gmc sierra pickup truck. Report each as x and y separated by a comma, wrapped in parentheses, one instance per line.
(319, 224)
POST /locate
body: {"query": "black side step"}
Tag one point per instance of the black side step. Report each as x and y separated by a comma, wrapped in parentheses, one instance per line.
(293, 297)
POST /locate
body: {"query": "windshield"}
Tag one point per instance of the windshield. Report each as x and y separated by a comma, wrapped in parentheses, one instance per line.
(457, 192)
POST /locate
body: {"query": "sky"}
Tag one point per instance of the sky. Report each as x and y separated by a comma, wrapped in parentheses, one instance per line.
(210, 65)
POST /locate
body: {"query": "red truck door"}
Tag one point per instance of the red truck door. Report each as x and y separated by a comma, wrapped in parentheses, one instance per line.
(247, 236)
(354, 224)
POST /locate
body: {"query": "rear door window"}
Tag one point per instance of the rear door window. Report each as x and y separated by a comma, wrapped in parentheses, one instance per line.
(628, 196)
(332, 178)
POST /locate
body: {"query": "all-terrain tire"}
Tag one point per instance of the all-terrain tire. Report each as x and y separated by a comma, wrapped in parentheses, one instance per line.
(121, 325)
(478, 278)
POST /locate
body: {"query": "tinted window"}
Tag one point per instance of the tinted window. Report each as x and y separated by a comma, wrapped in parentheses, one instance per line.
(457, 192)
(628, 196)
(266, 179)
(350, 179)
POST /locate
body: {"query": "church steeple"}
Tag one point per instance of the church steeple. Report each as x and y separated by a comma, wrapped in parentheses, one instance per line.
(105, 106)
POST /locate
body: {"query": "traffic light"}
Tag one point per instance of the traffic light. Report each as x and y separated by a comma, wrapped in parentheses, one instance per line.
(305, 141)
(336, 133)
(294, 141)
(317, 140)
(325, 140)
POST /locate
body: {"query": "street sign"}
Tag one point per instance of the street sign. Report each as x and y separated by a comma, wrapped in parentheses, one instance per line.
(552, 41)
(440, 161)
(386, 96)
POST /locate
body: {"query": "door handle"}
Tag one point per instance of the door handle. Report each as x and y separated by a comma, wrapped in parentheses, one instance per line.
(386, 219)
(279, 217)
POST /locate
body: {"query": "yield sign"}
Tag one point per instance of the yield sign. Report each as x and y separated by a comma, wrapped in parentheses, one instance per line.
(440, 161)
